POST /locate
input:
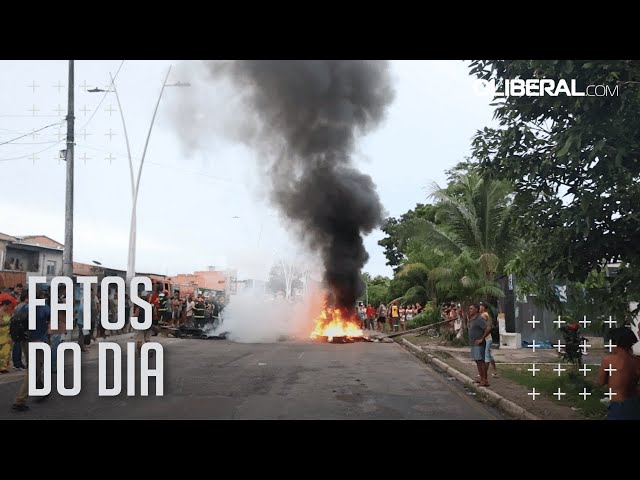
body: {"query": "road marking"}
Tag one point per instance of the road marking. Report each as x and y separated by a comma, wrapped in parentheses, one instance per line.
(300, 356)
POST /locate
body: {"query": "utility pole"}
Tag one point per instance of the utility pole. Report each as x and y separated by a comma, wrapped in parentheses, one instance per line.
(68, 217)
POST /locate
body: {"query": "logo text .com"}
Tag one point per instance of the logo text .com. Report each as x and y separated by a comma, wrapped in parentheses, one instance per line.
(541, 87)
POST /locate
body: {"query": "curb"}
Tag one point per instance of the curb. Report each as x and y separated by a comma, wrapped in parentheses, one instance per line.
(487, 396)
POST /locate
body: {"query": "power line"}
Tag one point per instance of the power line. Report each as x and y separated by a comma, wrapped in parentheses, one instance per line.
(58, 123)
(31, 154)
(196, 173)
(34, 143)
(27, 134)
(103, 97)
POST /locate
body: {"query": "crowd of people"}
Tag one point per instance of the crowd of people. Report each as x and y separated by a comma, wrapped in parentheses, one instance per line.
(171, 311)
(395, 316)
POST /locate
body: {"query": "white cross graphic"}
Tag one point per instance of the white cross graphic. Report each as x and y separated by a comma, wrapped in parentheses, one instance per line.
(34, 157)
(85, 158)
(84, 86)
(559, 322)
(60, 134)
(84, 134)
(534, 321)
(59, 110)
(610, 370)
(534, 370)
(611, 322)
(34, 134)
(110, 110)
(85, 110)
(110, 158)
(584, 370)
(110, 134)
(559, 345)
(559, 394)
(610, 393)
(610, 346)
(584, 322)
(533, 393)
(34, 110)
(58, 86)
(533, 345)
(585, 345)
(559, 369)
(584, 393)
(33, 86)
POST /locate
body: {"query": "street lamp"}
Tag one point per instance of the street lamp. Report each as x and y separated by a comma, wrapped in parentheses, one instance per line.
(135, 181)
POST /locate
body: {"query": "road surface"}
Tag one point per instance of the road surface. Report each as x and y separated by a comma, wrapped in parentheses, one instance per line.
(219, 379)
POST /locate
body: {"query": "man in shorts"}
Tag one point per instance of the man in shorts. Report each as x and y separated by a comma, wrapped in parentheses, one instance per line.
(479, 330)
(382, 317)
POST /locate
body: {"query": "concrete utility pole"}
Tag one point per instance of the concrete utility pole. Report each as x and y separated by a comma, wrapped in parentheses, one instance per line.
(68, 216)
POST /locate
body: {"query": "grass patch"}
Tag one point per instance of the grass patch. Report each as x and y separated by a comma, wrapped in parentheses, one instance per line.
(441, 354)
(547, 382)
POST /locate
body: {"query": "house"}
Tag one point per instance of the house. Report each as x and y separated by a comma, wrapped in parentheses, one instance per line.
(26, 256)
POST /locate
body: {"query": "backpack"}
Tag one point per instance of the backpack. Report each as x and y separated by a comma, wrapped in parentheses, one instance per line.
(19, 324)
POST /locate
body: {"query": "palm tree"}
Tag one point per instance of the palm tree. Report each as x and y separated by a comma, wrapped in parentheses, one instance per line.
(460, 257)
(475, 215)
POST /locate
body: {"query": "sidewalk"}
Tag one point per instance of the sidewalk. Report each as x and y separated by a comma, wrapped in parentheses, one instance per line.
(457, 362)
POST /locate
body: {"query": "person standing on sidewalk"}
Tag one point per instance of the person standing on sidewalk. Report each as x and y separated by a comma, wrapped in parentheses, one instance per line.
(190, 306)
(19, 330)
(6, 312)
(382, 317)
(40, 334)
(479, 329)
(488, 358)
(620, 371)
(371, 317)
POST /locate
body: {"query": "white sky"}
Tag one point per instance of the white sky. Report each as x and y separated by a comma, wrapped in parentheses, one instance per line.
(186, 202)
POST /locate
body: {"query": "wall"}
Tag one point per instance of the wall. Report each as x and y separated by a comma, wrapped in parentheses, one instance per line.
(3, 247)
(52, 255)
(506, 304)
(543, 331)
(28, 260)
(214, 280)
(520, 311)
(11, 279)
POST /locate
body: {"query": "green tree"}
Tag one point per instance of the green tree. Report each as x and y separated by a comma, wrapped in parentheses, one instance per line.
(396, 241)
(573, 162)
(377, 289)
(475, 220)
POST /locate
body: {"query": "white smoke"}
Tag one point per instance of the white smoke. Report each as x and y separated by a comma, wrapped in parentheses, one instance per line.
(255, 319)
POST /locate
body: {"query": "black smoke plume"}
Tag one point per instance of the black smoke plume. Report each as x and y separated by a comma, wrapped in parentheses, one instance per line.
(310, 115)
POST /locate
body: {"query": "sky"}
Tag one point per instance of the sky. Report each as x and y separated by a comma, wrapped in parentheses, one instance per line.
(206, 207)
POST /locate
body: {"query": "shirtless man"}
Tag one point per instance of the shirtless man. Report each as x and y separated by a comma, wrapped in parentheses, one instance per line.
(622, 377)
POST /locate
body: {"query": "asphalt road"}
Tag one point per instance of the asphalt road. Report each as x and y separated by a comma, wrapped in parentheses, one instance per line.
(218, 379)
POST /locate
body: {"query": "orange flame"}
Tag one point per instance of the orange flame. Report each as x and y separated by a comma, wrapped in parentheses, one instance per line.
(331, 323)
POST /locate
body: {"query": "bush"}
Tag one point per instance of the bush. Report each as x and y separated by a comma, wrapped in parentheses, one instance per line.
(429, 316)
(420, 320)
